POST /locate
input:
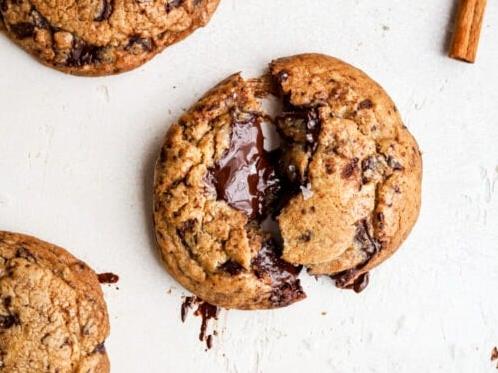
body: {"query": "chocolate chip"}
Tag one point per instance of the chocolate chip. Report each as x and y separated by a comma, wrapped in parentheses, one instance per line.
(106, 7)
(380, 217)
(7, 301)
(172, 4)
(367, 243)
(232, 268)
(329, 168)
(365, 104)
(3, 6)
(24, 253)
(144, 44)
(306, 236)
(9, 321)
(282, 276)
(187, 227)
(39, 20)
(100, 348)
(84, 54)
(286, 293)
(23, 30)
(349, 169)
(394, 164)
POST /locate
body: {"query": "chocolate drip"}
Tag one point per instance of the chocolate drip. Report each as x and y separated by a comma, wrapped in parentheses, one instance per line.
(207, 312)
(244, 177)
(186, 305)
(342, 280)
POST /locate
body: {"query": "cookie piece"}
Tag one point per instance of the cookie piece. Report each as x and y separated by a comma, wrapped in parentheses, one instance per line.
(346, 142)
(53, 317)
(101, 37)
(344, 186)
(211, 181)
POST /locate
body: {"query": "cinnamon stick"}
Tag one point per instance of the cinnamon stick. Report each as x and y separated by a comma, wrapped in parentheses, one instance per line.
(467, 30)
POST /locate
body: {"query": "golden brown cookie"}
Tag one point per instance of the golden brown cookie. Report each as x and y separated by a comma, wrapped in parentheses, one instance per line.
(101, 37)
(53, 317)
(343, 187)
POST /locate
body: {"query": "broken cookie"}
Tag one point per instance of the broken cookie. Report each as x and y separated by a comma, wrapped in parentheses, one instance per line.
(343, 187)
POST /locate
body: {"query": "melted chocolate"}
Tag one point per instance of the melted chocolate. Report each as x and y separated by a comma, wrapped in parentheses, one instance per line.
(232, 268)
(245, 177)
(281, 275)
(108, 278)
(207, 311)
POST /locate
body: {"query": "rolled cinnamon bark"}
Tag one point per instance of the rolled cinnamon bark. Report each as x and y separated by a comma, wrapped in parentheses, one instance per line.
(467, 30)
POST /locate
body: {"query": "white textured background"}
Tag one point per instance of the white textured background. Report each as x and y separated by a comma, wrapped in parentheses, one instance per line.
(76, 158)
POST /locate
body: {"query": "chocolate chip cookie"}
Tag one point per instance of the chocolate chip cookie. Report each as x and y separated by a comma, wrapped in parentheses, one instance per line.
(100, 37)
(343, 187)
(52, 313)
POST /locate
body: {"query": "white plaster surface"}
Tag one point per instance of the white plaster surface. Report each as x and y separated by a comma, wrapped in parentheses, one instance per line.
(76, 158)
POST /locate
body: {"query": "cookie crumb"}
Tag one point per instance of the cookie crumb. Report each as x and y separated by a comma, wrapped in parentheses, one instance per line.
(494, 355)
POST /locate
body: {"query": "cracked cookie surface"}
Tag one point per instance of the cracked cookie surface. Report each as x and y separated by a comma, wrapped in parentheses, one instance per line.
(344, 186)
(364, 169)
(53, 317)
(100, 37)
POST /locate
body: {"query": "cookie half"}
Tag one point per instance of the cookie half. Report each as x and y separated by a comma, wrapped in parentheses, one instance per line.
(53, 317)
(343, 187)
(101, 37)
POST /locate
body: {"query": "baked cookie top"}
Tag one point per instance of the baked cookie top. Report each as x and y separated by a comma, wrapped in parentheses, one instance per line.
(343, 187)
(100, 37)
(53, 317)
